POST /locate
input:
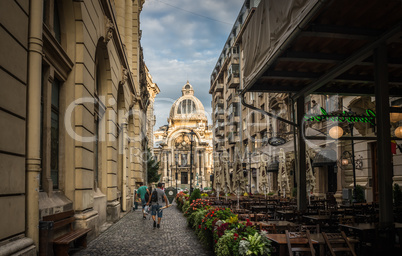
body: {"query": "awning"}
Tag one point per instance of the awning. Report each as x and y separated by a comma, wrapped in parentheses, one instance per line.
(324, 157)
(303, 47)
(268, 30)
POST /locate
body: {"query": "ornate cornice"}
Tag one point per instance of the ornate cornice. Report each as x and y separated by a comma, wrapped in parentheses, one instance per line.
(109, 27)
(124, 76)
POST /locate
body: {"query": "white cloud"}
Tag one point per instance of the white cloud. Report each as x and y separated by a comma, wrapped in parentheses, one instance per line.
(181, 44)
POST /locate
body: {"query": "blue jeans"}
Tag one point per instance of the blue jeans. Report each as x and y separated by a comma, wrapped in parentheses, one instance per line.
(154, 209)
(143, 203)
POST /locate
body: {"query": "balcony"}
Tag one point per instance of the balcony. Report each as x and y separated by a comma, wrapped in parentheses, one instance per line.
(219, 147)
(233, 137)
(220, 126)
(234, 59)
(234, 119)
(219, 87)
(232, 99)
(219, 133)
(219, 102)
(233, 80)
(219, 116)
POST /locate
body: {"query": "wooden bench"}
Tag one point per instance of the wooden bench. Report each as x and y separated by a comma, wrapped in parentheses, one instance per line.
(65, 220)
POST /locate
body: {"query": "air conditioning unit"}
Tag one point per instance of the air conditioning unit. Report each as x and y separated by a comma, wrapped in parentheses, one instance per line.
(346, 194)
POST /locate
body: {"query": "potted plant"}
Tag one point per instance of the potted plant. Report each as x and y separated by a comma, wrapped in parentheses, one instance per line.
(359, 194)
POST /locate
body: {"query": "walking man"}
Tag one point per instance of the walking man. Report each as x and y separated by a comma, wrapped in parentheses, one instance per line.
(141, 193)
(157, 199)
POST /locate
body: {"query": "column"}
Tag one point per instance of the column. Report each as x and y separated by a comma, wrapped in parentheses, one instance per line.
(33, 161)
(301, 154)
(383, 136)
(164, 165)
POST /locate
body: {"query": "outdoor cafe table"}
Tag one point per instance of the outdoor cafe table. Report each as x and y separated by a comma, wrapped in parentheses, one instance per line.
(285, 214)
(280, 225)
(261, 208)
(318, 219)
(280, 241)
(365, 228)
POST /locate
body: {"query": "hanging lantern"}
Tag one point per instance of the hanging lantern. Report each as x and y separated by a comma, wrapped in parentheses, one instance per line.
(345, 161)
(395, 117)
(336, 132)
(398, 132)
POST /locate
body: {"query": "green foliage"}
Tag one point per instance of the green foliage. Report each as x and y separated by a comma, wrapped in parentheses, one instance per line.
(195, 195)
(253, 244)
(152, 168)
(185, 207)
(226, 245)
(359, 194)
(397, 195)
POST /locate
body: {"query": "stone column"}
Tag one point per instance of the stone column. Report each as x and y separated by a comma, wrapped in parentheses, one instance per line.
(124, 166)
(164, 165)
(33, 158)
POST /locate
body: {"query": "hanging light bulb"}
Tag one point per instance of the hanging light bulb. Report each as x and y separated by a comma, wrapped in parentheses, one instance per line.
(395, 117)
(398, 132)
(336, 132)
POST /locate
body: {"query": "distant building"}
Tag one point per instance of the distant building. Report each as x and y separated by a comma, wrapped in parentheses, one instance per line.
(173, 143)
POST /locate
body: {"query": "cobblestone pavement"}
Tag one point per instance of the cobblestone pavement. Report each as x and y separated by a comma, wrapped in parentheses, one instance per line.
(134, 236)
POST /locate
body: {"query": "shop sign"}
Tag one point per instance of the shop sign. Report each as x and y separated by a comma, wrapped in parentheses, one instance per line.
(342, 118)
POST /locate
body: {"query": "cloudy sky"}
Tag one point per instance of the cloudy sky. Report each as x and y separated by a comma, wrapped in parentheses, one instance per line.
(182, 40)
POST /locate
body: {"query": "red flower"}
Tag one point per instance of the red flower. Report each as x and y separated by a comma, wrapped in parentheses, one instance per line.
(199, 226)
(235, 238)
(236, 235)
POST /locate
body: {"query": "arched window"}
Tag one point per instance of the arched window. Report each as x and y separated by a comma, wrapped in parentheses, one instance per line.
(186, 106)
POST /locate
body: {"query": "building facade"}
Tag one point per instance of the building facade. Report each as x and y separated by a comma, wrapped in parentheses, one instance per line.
(185, 159)
(259, 150)
(73, 111)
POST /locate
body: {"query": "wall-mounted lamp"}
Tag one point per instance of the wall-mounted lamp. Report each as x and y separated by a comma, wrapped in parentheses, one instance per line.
(346, 159)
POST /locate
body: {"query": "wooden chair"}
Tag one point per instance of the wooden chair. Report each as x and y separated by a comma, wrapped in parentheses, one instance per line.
(346, 220)
(338, 242)
(270, 228)
(243, 216)
(300, 247)
(311, 228)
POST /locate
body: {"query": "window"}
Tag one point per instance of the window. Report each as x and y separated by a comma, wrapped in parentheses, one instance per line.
(186, 106)
(51, 18)
(50, 120)
(54, 134)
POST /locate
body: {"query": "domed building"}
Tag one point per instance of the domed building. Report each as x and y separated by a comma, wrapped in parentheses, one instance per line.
(187, 131)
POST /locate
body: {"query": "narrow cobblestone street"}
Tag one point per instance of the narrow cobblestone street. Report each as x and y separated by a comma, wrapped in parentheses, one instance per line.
(134, 236)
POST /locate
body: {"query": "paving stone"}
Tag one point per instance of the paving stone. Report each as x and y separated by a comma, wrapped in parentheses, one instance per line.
(134, 236)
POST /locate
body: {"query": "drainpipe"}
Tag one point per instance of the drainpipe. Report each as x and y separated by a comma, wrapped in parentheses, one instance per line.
(33, 160)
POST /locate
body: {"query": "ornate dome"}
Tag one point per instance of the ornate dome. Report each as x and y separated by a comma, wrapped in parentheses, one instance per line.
(187, 106)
